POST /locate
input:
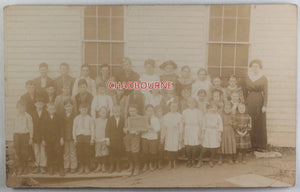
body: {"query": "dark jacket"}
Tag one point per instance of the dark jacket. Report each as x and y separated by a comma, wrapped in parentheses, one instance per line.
(39, 89)
(29, 102)
(38, 125)
(87, 99)
(114, 132)
(67, 125)
(64, 80)
(53, 129)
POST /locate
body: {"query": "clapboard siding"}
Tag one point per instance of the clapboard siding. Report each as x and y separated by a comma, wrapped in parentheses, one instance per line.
(35, 34)
(167, 32)
(273, 40)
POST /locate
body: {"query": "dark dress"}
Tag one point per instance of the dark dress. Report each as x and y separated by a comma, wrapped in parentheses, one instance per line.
(115, 134)
(256, 95)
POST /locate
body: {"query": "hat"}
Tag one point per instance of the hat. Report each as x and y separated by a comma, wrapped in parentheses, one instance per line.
(170, 62)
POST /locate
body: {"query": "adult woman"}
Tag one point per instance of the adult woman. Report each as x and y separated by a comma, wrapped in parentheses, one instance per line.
(256, 99)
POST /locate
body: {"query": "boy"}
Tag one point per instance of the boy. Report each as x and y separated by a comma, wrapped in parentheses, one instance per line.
(51, 95)
(136, 97)
(132, 143)
(84, 96)
(83, 136)
(22, 134)
(60, 99)
(38, 117)
(53, 135)
(70, 160)
(101, 100)
(64, 79)
(29, 97)
(91, 85)
(114, 131)
(43, 80)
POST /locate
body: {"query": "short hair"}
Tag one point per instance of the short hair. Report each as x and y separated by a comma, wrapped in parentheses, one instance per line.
(43, 65)
(82, 82)
(185, 67)
(85, 66)
(202, 91)
(133, 106)
(50, 104)
(202, 69)
(127, 59)
(256, 61)
(39, 99)
(29, 82)
(149, 106)
(64, 64)
(149, 62)
(217, 91)
(21, 103)
(68, 101)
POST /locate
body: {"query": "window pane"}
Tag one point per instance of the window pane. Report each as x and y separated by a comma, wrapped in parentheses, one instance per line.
(242, 55)
(214, 72)
(103, 28)
(216, 10)
(230, 10)
(90, 56)
(117, 26)
(103, 10)
(215, 29)
(104, 53)
(214, 54)
(228, 55)
(226, 72)
(117, 11)
(90, 28)
(243, 30)
(90, 11)
(229, 30)
(117, 53)
(244, 10)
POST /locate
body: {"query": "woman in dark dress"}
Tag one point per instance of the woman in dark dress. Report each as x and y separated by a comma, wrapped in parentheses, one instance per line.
(256, 99)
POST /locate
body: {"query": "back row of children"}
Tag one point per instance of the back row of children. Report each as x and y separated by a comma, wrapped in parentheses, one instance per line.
(88, 130)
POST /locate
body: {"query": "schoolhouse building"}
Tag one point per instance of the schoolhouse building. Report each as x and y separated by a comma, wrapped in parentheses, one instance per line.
(221, 38)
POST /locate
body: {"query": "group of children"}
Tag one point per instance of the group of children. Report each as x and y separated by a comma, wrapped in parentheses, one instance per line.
(88, 129)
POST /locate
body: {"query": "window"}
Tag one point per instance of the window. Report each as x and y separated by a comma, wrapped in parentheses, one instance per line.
(103, 37)
(228, 44)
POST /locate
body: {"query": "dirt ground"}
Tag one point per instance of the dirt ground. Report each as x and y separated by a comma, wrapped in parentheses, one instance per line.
(280, 169)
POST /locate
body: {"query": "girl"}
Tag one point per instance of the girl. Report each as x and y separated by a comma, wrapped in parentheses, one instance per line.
(202, 82)
(242, 126)
(235, 101)
(217, 99)
(185, 94)
(211, 133)
(233, 87)
(202, 100)
(149, 140)
(192, 122)
(101, 142)
(169, 74)
(228, 137)
(172, 123)
(217, 84)
(168, 97)
(101, 100)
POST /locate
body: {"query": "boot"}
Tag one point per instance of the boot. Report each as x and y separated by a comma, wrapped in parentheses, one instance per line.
(146, 167)
(136, 170)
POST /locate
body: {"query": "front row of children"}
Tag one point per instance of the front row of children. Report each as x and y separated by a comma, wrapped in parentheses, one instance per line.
(71, 143)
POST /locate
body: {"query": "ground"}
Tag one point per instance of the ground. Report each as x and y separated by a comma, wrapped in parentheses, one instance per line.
(273, 170)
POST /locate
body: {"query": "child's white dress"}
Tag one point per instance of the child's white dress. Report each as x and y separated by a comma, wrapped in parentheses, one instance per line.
(101, 148)
(101, 101)
(192, 119)
(212, 129)
(172, 123)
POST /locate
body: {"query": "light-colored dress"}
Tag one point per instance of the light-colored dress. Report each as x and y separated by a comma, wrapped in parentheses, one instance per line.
(192, 120)
(212, 129)
(101, 148)
(172, 123)
(101, 101)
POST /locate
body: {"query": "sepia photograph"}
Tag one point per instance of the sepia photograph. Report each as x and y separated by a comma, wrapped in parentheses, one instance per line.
(150, 96)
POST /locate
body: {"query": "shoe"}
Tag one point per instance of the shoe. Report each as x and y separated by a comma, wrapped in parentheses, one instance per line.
(36, 170)
(81, 170)
(43, 170)
(146, 167)
(103, 168)
(199, 164)
(98, 168)
(86, 170)
(73, 171)
(211, 164)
